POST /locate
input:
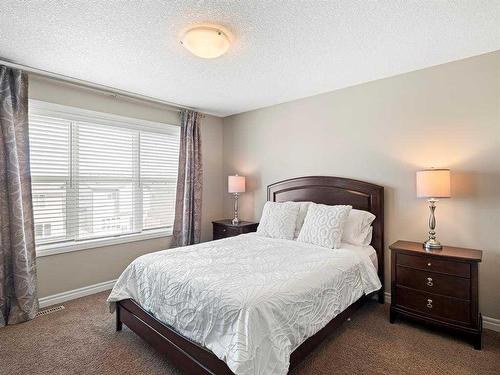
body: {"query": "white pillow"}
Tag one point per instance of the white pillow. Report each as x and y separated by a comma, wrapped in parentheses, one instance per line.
(357, 229)
(323, 225)
(278, 220)
(303, 207)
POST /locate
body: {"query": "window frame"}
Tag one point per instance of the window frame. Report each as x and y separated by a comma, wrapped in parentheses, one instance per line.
(74, 114)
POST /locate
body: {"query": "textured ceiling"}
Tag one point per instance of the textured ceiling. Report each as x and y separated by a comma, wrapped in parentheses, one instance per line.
(283, 50)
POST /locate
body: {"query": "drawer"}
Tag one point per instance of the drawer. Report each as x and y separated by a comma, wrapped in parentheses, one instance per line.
(452, 286)
(217, 234)
(249, 228)
(435, 265)
(223, 232)
(439, 307)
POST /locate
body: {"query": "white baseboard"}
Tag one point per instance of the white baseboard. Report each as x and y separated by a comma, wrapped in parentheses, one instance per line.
(488, 323)
(75, 293)
(491, 323)
(387, 298)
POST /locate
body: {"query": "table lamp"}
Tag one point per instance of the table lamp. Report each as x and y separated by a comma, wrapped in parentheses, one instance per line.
(236, 185)
(433, 184)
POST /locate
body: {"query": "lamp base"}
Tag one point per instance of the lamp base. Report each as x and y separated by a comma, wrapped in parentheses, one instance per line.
(432, 244)
(236, 220)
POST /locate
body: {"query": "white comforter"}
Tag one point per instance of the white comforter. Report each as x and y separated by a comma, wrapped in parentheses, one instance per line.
(251, 300)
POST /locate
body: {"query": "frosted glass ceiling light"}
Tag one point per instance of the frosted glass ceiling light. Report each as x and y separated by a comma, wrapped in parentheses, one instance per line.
(206, 41)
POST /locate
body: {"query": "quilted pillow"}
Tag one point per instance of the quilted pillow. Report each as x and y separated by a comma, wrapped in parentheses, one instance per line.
(323, 225)
(278, 220)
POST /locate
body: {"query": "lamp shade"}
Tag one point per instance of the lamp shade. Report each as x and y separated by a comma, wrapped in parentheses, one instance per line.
(236, 184)
(433, 183)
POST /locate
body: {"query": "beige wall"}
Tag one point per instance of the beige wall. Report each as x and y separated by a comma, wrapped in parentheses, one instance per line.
(382, 132)
(63, 272)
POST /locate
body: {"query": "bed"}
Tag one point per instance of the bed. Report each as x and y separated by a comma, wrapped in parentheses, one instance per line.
(221, 308)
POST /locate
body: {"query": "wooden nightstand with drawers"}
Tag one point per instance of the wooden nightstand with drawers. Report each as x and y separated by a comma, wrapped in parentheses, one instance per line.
(225, 228)
(438, 287)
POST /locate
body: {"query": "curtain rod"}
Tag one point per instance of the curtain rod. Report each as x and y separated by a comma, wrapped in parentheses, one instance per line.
(93, 86)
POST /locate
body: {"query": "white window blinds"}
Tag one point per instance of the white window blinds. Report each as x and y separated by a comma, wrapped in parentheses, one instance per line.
(50, 170)
(94, 179)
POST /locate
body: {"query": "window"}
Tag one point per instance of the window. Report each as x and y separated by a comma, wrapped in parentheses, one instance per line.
(97, 176)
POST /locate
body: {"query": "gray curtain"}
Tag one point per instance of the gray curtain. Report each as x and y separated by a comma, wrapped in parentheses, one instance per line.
(18, 290)
(187, 224)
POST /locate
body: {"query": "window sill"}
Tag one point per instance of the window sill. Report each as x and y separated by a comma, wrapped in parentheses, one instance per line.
(60, 248)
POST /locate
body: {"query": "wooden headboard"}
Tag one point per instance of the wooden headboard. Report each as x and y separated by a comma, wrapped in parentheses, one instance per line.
(337, 190)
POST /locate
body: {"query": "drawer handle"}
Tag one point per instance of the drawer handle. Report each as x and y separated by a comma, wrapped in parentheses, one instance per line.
(429, 303)
(429, 281)
(429, 264)
(224, 229)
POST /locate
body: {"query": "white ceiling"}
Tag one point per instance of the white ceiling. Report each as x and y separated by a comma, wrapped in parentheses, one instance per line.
(283, 50)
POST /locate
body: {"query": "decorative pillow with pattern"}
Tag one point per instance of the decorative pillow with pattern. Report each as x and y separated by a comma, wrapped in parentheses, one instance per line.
(323, 225)
(278, 220)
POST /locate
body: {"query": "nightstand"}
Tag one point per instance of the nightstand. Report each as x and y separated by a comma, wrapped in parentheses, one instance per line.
(439, 287)
(225, 228)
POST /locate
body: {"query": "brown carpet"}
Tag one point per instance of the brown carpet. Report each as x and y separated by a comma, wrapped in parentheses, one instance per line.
(81, 340)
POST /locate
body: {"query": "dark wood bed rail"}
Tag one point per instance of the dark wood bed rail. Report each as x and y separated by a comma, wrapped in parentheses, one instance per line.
(194, 359)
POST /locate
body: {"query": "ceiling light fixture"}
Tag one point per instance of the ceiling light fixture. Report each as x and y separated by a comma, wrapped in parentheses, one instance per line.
(206, 41)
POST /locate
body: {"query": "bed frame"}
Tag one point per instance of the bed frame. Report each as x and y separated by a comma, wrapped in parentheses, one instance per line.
(194, 359)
